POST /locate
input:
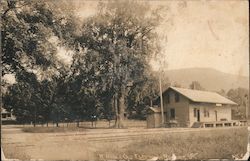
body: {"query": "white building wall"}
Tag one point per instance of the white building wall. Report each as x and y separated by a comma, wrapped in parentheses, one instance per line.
(223, 112)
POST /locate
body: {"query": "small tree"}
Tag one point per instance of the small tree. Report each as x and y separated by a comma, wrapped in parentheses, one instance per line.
(240, 96)
(196, 85)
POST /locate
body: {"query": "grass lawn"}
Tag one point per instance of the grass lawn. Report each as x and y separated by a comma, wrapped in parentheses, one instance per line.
(219, 144)
(103, 144)
(51, 129)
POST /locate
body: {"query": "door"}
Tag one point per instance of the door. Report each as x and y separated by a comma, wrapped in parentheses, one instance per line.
(215, 115)
(172, 114)
(198, 115)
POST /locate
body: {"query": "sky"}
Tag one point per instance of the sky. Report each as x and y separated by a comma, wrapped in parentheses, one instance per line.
(212, 34)
(193, 33)
(205, 33)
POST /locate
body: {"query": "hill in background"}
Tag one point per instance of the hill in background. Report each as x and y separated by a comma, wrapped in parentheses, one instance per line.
(209, 78)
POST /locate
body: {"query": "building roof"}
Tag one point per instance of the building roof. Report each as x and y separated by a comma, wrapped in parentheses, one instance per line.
(155, 109)
(202, 96)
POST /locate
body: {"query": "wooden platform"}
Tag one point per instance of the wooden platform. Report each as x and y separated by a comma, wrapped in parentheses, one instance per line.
(223, 123)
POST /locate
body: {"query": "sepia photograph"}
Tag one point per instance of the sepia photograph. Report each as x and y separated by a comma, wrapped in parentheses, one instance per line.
(124, 80)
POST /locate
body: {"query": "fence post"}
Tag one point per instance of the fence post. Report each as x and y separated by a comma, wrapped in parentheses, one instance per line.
(246, 156)
(2, 154)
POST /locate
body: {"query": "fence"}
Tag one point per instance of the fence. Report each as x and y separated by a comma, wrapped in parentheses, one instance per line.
(96, 124)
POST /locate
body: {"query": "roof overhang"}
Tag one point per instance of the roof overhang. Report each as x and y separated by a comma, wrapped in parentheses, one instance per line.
(230, 102)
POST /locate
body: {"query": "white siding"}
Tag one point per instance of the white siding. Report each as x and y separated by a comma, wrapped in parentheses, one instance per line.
(184, 110)
(223, 112)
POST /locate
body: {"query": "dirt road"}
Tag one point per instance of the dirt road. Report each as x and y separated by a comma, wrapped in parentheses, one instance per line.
(81, 145)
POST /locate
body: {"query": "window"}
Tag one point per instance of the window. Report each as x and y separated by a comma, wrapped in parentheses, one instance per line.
(172, 113)
(195, 112)
(206, 113)
(168, 98)
(3, 115)
(177, 97)
(8, 115)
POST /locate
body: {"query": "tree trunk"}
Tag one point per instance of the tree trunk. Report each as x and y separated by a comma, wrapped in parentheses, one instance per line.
(34, 123)
(121, 108)
(116, 111)
(77, 123)
(57, 119)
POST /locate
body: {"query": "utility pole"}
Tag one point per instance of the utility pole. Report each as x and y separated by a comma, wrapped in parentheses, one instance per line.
(162, 110)
(162, 61)
(247, 106)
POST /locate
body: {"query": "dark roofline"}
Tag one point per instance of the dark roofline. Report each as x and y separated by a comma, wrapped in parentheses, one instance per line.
(177, 92)
(170, 87)
(164, 92)
(183, 88)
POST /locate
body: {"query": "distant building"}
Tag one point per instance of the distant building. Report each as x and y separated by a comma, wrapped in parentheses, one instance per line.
(189, 108)
(7, 116)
